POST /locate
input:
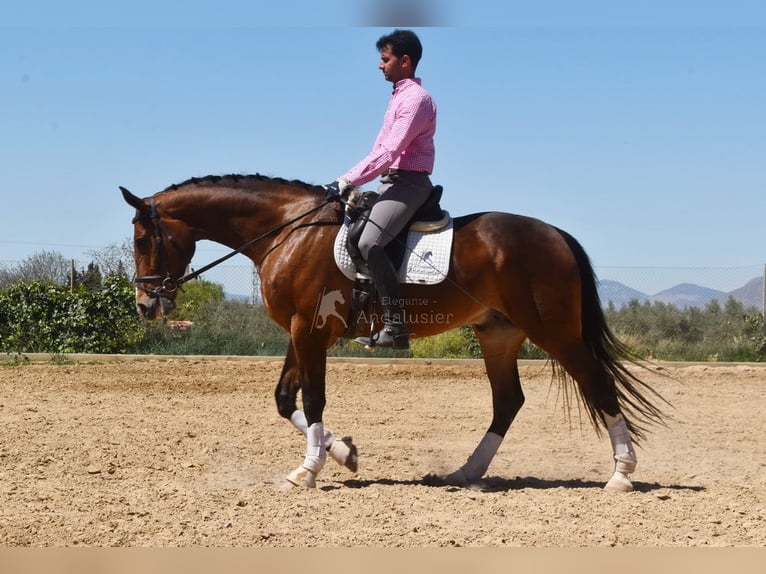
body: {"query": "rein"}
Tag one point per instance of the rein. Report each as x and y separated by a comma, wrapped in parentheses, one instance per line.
(170, 285)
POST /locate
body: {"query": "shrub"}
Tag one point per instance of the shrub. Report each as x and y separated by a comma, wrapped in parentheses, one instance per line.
(194, 296)
(44, 317)
(458, 343)
(219, 328)
(454, 344)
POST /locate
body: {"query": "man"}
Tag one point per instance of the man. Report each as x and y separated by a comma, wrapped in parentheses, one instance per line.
(403, 155)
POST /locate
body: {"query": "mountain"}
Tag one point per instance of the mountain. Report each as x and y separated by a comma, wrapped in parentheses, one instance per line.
(618, 293)
(750, 294)
(682, 295)
(689, 295)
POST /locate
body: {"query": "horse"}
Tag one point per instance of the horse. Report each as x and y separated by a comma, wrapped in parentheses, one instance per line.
(511, 277)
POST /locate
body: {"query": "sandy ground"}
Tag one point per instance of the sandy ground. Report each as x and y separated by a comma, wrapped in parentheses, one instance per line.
(186, 452)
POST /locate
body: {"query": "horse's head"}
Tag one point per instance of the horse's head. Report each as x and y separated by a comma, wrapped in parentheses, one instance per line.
(163, 248)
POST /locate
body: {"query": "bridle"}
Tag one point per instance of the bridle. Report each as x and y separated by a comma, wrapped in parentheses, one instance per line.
(168, 285)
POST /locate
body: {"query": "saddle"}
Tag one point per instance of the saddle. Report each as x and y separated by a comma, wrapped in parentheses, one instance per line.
(420, 253)
(428, 218)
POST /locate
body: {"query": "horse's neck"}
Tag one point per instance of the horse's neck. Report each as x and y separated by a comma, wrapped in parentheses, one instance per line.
(233, 217)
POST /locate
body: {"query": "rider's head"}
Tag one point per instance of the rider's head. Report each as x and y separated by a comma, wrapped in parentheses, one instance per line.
(404, 48)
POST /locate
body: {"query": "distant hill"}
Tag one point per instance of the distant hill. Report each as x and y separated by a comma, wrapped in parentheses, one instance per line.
(619, 294)
(682, 295)
(750, 294)
(689, 295)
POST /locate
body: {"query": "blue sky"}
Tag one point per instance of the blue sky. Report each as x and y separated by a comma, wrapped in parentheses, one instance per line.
(638, 130)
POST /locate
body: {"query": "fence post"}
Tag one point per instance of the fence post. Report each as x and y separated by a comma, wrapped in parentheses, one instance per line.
(254, 286)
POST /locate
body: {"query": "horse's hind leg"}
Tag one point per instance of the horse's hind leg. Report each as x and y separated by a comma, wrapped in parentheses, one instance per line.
(598, 390)
(500, 343)
(623, 452)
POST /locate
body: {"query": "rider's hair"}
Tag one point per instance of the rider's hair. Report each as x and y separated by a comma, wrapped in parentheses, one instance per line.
(402, 42)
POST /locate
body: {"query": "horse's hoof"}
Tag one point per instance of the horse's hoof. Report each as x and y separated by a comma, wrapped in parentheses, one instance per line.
(344, 452)
(302, 478)
(457, 478)
(352, 461)
(619, 483)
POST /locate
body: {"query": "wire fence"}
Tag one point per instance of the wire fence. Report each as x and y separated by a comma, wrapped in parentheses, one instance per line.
(679, 286)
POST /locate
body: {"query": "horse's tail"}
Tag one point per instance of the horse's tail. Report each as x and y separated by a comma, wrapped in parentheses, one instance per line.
(634, 395)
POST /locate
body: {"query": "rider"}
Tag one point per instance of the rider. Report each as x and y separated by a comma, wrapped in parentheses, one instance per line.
(403, 155)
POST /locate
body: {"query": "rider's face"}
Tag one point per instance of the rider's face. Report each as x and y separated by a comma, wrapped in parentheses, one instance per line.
(393, 67)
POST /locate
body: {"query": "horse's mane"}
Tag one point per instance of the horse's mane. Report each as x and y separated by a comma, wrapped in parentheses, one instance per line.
(239, 181)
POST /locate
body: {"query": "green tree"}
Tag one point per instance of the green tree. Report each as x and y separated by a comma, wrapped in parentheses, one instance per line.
(90, 278)
(194, 296)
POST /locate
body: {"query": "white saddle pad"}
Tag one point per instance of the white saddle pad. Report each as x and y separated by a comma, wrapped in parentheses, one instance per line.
(426, 258)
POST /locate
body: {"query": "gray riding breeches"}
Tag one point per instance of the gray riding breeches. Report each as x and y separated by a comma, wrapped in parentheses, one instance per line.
(401, 194)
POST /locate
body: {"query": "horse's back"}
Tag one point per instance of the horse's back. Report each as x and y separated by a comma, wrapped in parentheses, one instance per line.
(510, 230)
(513, 251)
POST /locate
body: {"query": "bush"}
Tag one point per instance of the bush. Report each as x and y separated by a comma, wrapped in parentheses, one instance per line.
(40, 317)
(713, 333)
(455, 344)
(219, 328)
(194, 296)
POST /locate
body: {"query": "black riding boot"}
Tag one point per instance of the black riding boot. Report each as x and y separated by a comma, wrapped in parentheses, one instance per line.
(394, 334)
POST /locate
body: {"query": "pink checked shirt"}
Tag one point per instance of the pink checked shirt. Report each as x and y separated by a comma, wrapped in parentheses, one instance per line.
(406, 140)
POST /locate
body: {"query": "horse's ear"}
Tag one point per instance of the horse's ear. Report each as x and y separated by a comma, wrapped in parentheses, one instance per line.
(133, 200)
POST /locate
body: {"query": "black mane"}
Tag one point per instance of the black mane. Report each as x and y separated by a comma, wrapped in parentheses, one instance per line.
(238, 180)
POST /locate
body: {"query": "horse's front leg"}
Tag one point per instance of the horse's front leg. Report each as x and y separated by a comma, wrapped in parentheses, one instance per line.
(310, 379)
(341, 450)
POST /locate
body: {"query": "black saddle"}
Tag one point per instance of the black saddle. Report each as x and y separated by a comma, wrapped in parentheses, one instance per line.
(430, 211)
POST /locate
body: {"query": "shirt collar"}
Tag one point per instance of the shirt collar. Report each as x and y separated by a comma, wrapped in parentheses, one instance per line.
(401, 84)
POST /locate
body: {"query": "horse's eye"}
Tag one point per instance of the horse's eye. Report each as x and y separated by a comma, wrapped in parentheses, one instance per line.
(142, 243)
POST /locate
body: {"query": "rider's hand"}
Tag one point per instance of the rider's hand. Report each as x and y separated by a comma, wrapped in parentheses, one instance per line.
(338, 189)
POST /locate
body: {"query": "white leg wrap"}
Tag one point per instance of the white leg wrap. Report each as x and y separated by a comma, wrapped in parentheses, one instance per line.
(478, 463)
(342, 451)
(622, 446)
(316, 456)
(316, 453)
(298, 418)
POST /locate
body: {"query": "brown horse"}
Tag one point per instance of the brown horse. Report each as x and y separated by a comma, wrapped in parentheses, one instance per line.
(510, 277)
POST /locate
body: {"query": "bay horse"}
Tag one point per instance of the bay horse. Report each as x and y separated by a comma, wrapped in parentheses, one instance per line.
(511, 278)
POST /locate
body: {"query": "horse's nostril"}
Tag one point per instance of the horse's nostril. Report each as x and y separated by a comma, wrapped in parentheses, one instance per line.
(166, 305)
(146, 311)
